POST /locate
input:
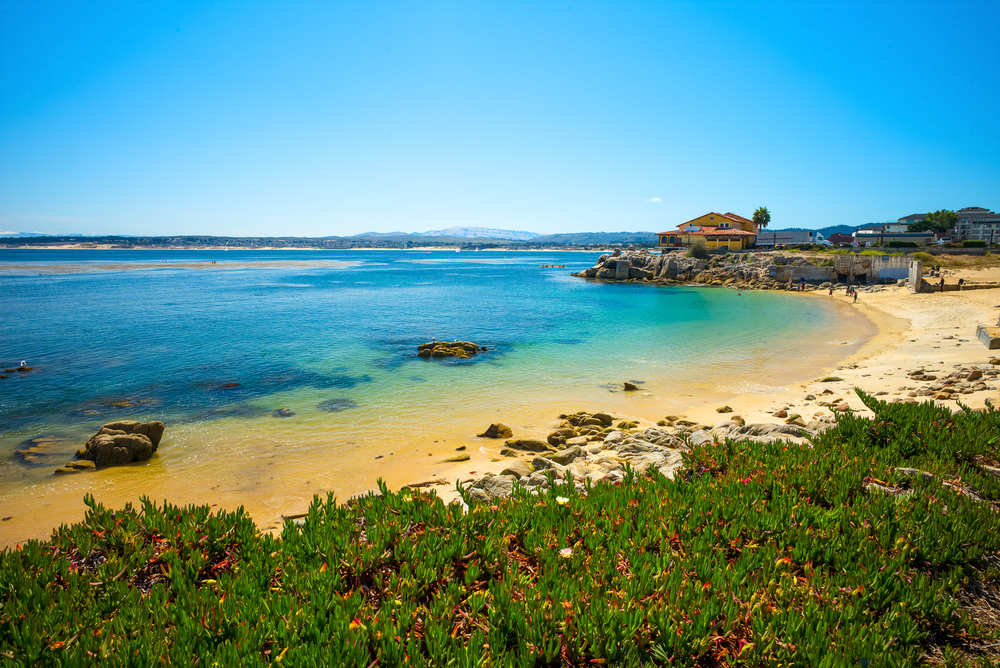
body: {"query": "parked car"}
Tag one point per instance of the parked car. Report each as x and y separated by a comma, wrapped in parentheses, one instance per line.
(944, 240)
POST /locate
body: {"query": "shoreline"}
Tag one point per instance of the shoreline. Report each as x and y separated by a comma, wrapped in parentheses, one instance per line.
(911, 334)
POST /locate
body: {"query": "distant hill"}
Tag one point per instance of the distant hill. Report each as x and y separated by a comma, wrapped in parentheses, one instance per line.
(597, 238)
(825, 231)
(480, 233)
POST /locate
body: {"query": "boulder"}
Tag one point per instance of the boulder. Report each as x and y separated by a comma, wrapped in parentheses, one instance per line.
(559, 436)
(975, 374)
(630, 387)
(723, 409)
(605, 272)
(700, 437)
(497, 430)
(605, 419)
(122, 442)
(491, 487)
(527, 444)
(460, 349)
(567, 456)
(518, 469)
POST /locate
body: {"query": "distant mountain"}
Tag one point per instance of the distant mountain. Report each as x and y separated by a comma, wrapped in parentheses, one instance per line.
(597, 238)
(38, 234)
(481, 233)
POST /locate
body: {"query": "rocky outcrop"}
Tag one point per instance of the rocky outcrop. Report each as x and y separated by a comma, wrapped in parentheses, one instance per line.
(736, 270)
(461, 349)
(122, 442)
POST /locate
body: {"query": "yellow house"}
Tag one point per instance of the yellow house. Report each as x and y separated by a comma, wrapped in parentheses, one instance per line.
(715, 230)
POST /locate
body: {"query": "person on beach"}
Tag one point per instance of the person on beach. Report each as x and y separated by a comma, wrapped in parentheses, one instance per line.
(855, 297)
(802, 284)
(942, 284)
(831, 291)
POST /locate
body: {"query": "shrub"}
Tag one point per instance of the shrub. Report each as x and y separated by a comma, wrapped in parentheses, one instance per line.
(756, 554)
(698, 251)
(972, 243)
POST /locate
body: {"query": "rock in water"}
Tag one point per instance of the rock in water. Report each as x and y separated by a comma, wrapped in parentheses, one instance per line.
(123, 442)
(448, 349)
(629, 387)
(497, 430)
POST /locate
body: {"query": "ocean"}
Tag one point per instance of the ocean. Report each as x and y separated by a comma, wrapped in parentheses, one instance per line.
(282, 374)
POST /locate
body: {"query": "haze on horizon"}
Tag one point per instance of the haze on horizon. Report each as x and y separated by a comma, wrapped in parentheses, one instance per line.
(320, 119)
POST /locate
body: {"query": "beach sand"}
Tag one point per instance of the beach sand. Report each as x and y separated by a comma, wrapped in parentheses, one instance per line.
(933, 330)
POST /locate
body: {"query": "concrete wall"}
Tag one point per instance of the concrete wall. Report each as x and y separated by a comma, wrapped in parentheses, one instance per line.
(915, 280)
(812, 274)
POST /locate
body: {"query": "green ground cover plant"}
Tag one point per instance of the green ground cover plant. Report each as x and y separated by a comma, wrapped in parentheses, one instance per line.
(757, 554)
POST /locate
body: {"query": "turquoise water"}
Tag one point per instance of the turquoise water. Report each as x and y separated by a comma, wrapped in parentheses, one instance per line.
(310, 355)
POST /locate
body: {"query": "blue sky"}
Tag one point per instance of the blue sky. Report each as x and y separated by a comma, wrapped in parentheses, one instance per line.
(335, 118)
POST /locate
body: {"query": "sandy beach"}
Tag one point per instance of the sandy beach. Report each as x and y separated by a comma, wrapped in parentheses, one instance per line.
(931, 331)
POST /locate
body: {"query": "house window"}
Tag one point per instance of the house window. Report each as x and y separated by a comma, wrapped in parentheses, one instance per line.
(723, 226)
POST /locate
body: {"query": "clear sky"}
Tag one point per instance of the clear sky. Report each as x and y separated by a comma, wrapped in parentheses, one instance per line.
(340, 117)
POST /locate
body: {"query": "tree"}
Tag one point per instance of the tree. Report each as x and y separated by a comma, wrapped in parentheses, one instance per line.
(761, 217)
(941, 221)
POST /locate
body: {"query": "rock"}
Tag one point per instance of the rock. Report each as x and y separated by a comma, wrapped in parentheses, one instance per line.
(629, 387)
(995, 361)
(76, 467)
(123, 442)
(507, 452)
(780, 414)
(567, 456)
(614, 437)
(152, 430)
(527, 444)
(282, 413)
(578, 440)
(628, 424)
(723, 409)
(797, 421)
(491, 487)
(459, 458)
(497, 430)
(700, 437)
(518, 469)
(842, 408)
(738, 418)
(605, 419)
(830, 379)
(975, 374)
(460, 349)
(559, 436)
(544, 464)
(792, 418)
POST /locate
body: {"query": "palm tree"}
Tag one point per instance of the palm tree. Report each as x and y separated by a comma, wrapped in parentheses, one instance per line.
(761, 217)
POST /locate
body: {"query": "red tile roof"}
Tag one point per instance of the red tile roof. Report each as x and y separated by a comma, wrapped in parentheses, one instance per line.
(733, 216)
(711, 232)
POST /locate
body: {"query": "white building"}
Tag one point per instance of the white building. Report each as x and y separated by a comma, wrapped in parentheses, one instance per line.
(978, 224)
